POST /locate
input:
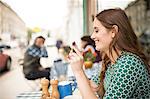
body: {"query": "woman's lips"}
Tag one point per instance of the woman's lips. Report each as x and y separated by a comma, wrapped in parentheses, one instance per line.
(96, 41)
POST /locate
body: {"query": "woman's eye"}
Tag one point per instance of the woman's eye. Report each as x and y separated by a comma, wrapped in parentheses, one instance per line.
(96, 31)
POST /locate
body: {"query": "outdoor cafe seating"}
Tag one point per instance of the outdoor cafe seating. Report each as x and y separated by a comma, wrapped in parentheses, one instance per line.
(64, 76)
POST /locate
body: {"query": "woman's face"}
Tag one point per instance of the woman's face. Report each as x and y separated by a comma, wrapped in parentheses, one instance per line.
(101, 36)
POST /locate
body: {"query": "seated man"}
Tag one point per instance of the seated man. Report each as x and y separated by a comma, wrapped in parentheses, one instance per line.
(31, 66)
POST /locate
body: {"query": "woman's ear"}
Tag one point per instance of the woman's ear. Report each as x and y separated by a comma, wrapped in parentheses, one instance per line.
(114, 30)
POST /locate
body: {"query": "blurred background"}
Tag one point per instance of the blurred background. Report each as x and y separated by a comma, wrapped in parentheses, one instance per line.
(21, 21)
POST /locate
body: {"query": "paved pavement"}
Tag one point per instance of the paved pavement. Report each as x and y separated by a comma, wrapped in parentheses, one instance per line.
(13, 82)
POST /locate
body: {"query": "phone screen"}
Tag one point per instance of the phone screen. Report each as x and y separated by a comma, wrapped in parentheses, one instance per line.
(73, 43)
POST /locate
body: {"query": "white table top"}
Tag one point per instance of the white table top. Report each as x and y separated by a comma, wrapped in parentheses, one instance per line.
(38, 94)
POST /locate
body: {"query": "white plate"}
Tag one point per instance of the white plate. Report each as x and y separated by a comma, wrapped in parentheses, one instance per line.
(73, 97)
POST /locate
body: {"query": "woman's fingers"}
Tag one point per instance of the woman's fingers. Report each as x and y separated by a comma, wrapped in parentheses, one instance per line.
(75, 48)
(94, 87)
(75, 61)
(73, 57)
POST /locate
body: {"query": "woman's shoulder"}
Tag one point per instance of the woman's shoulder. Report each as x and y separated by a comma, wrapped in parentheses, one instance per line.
(131, 61)
(130, 58)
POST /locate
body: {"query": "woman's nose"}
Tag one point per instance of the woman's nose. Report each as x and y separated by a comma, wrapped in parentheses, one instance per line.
(92, 36)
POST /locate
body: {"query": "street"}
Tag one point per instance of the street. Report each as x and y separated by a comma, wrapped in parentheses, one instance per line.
(13, 82)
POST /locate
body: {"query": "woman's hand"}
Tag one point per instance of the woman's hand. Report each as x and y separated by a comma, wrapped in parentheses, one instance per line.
(94, 87)
(76, 59)
(76, 62)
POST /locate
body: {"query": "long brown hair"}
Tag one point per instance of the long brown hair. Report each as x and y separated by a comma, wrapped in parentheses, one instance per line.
(124, 40)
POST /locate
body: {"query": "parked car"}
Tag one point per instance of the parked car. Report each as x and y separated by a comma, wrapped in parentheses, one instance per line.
(5, 60)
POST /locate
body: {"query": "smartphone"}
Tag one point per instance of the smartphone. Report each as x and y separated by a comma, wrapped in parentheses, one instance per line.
(73, 43)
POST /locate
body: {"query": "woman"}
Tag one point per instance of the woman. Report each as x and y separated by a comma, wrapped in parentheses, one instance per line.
(125, 71)
(86, 44)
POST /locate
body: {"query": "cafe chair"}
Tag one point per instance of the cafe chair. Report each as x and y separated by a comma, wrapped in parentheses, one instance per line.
(34, 85)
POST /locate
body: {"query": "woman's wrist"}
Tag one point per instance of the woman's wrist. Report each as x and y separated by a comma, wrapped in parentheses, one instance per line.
(78, 73)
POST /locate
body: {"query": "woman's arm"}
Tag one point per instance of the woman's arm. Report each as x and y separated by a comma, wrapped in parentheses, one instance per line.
(76, 62)
(84, 86)
(94, 86)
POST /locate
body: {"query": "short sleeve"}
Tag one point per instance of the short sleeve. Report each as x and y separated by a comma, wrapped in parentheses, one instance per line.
(125, 79)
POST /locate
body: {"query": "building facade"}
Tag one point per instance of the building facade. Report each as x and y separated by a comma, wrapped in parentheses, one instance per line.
(11, 25)
(73, 22)
(139, 16)
(90, 9)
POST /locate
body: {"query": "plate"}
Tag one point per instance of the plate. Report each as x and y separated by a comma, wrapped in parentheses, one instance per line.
(73, 97)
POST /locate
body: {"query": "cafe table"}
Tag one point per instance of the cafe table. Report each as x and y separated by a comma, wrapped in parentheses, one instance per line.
(30, 95)
(38, 94)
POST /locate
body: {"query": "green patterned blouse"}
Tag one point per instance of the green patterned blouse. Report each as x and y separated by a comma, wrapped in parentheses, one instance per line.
(127, 78)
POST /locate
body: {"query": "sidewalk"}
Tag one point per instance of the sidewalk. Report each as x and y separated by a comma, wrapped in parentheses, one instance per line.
(13, 83)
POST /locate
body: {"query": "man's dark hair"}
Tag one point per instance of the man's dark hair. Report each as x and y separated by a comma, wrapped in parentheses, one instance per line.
(40, 37)
(89, 41)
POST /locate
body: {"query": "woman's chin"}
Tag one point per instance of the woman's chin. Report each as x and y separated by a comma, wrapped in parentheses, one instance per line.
(98, 49)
